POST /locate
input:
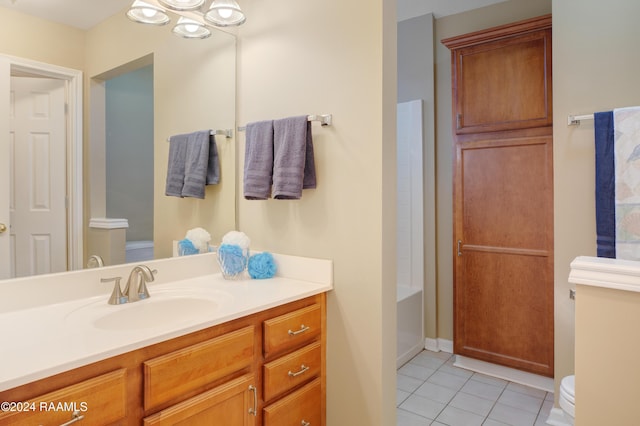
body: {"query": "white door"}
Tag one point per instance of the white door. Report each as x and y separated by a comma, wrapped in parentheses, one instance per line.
(37, 199)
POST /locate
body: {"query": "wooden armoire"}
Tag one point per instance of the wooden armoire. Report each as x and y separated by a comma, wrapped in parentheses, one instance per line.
(503, 195)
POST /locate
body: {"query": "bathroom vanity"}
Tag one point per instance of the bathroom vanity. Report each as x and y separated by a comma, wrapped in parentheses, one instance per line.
(247, 352)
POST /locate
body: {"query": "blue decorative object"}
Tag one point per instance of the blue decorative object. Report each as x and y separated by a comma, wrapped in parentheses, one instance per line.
(186, 247)
(232, 259)
(262, 266)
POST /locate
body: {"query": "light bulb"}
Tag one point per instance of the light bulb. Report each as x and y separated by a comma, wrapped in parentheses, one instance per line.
(192, 28)
(225, 13)
(148, 12)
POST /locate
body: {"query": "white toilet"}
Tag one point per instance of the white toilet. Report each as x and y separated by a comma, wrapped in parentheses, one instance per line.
(567, 399)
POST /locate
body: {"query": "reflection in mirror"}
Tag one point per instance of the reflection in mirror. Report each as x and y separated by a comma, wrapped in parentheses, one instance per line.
(193, 84)
(193, 89)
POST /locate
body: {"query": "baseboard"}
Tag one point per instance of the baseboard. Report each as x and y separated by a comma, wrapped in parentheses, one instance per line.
(556, 418)
(506, 373)
(407, 356)
(437, 345)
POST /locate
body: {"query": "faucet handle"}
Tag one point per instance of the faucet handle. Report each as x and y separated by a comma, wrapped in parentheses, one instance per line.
(116, 298)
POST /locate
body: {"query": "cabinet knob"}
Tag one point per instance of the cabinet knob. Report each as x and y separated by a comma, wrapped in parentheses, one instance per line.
(3, 228)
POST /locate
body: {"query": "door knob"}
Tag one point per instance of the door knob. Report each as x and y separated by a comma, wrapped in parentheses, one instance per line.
(3, 228)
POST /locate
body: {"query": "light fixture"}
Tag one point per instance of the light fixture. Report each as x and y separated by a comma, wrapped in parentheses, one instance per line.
(195, 17)
(182, 4)
(188, 28)
(224, 13)
(146, 13)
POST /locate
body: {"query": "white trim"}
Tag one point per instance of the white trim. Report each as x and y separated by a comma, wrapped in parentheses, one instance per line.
(556, 418)
(74, 148)
(608, 273)
(108, 223)
(511, 374)
(437, 345)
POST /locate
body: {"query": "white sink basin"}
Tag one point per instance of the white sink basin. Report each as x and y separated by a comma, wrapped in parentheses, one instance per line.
(166, 306)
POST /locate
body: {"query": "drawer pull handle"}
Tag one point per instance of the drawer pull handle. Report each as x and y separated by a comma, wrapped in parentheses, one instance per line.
(75, 417)
(305, 423)
(303, 328)
(254, 410)
(303, 368)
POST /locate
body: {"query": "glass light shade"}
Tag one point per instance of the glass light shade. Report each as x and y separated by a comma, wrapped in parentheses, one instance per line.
(146, 13)
(224, 13)
(182, 4)
(188, 28)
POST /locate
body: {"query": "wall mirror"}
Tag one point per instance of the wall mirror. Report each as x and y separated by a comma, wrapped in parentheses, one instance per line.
(140, 85)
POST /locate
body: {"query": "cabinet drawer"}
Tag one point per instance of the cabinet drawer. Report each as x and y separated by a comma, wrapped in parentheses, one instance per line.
(175, 374)
(228, 404)
(292, 329)
(303, 407)
(291, 370)
(101, 400)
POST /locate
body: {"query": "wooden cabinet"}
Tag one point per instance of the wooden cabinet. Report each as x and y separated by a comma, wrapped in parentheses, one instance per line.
(171, 376)
(223, 405)
(502, 78)
(100, 400)
(294, 371)
(234, 374)
(503, 195)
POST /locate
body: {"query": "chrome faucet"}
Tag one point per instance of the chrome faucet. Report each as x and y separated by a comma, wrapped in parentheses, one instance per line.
(95, 261)
(136, 287)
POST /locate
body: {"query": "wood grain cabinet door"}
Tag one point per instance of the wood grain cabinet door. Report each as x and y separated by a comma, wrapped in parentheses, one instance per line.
(503, 195)
(503, 84)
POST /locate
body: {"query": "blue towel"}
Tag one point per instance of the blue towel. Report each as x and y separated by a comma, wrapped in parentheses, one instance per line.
(258, 160)
(196, 164)
(293, 163)
(605, 184)
(193, 163)
(176, 166)
(213, 168)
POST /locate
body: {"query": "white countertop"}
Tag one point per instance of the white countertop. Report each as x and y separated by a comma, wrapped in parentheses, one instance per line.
(615, 274)
(44, 340)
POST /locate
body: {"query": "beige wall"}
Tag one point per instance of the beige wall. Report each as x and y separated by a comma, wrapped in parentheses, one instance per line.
(194, 89)
(595, 68)
(33, 38)
(334, 57)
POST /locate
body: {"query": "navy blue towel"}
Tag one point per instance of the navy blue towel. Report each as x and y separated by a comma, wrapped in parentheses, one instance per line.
(605, 184)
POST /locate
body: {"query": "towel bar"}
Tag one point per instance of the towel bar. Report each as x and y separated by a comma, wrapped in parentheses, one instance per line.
(573, 120)
(324, 119)
(227, 133)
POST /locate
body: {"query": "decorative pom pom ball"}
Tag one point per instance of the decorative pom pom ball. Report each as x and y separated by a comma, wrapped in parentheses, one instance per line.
(261, 266)
(186, 247)
(200, 239)
(236, 238)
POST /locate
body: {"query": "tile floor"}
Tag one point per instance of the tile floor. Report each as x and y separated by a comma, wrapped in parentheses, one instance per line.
(431, 391)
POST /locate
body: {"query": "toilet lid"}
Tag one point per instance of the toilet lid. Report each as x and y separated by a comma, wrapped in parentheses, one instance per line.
(568, 388)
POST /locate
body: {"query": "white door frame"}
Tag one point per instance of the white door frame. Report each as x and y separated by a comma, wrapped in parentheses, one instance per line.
(13, 65)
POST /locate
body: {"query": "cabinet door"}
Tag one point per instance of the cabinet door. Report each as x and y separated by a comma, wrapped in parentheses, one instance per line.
(231, 404)
(503, 289)
(503, 84)
(304, 407)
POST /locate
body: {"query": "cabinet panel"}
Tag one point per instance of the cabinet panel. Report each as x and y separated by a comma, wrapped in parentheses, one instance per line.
(178, 373)
(289, 371)
(230, 404)
(303, 407)
(292, 330)
(501, 77)
(101, 400)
